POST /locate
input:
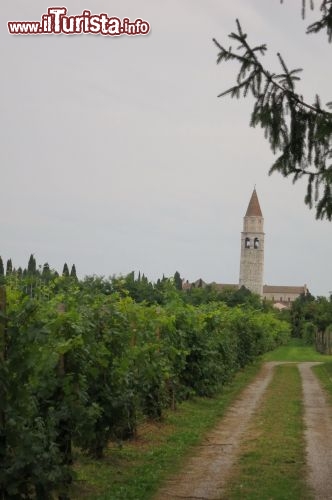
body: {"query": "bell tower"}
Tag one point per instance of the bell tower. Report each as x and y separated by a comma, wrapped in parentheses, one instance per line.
(252, 247)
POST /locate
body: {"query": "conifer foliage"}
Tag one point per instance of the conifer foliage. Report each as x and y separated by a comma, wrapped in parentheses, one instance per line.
(65, 271)
(73, 272)
(32, 266)
(9, 267)
(299, 131)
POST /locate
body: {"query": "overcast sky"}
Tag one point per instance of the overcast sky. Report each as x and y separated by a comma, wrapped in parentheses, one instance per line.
(117, 155)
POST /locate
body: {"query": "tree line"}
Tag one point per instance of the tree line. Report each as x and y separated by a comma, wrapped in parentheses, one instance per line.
(44, 271)
(311, 318)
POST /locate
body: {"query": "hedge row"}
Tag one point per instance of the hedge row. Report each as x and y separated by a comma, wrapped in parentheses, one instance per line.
(81, 368)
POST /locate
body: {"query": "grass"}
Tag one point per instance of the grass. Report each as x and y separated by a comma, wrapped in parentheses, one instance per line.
(271, 467)
(136, 470)
(296, 350)
(324, 373)
(272, 458)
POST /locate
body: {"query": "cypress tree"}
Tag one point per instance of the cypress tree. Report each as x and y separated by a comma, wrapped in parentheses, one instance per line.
(46, 272)
(177, 281)
(9, 267)
(32, 267)
(73, 272)
(65, 271)
(2, 272)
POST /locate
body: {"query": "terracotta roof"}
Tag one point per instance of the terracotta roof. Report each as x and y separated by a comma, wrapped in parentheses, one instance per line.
(284, 289)
(254, 209)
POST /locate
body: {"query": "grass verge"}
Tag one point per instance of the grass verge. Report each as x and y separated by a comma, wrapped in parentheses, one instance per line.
(296, 350)
(136, 469)
(272, 458)
(324, 373)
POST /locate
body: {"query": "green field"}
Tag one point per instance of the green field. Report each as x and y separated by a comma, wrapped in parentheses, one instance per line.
(296, 350)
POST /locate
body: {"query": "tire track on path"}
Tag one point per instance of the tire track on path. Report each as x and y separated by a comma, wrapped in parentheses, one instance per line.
(318, 434)
(205, 474)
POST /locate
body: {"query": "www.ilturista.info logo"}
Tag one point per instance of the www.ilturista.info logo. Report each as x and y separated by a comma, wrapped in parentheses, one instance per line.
(56, 22)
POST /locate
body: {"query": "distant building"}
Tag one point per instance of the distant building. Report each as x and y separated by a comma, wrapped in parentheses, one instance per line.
(283, 294)
(252, 247)
(252, 263)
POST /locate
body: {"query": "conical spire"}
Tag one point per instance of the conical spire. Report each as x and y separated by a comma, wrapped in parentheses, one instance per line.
(254, 209)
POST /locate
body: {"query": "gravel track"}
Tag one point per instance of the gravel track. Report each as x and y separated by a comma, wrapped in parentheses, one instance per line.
(318, 434)
(206, 472)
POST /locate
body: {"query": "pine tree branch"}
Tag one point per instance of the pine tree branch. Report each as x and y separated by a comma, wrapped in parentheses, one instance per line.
(300, 131)
(242, 38)
(324, 22)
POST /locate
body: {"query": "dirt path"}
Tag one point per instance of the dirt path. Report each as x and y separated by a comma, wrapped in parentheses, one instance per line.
(318, 434)
(206, 473)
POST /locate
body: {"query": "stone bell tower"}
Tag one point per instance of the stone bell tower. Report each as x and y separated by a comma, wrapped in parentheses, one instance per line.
(252, 247)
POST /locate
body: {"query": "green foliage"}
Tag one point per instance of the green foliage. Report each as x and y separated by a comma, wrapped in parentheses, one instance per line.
(46, 272)
(9, 267)
(231, 297)
(313, 311)
(301, 132)
(177, 281)
(299, 313)
(309, 332)
(295, 351)
(73, 272)
(325, 22)
(83, 363)
(137, 470)
(324, 373)
(32, 266)
(65, 271)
